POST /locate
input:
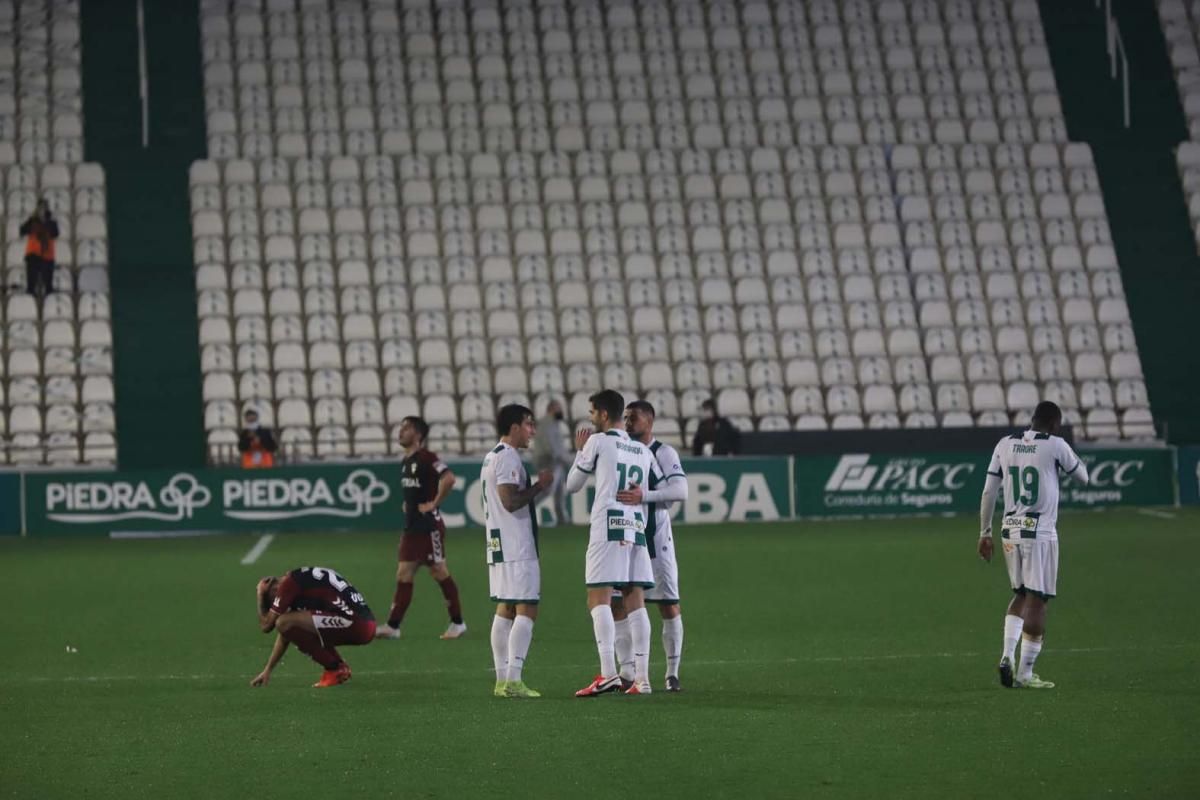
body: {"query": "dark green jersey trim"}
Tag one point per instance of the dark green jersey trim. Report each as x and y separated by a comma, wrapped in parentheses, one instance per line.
(612, 433)
(514, 602)
(533, 518)
(1034, 592)
(1072, 469)
(1041, 437)
(585, 469)
(996, 474)
(499, 449)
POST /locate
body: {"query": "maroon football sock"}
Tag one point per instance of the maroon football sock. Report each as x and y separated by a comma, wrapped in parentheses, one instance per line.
(400, 603)
(310, 644)
(450, 592)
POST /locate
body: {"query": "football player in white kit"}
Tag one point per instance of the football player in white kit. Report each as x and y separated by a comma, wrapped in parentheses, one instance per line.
(616, 554)
(639, 424)
(1026, 467)
(510, 521)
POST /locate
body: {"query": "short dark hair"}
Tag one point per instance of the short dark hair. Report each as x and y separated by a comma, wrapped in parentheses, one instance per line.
(421, 425)
(709, 405)
(1047, 416)
(511, 414)
(609, 401)
(643, 406)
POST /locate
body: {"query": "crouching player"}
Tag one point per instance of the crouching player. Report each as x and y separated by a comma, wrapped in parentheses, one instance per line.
(317, 610)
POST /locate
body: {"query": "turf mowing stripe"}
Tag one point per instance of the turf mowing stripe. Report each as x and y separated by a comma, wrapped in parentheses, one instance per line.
(162, 534)
(1150, 512)
(591, 665)
(259, 548)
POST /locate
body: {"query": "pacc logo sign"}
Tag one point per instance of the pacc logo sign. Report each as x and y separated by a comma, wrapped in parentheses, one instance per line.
(909, 482)
(854, 473)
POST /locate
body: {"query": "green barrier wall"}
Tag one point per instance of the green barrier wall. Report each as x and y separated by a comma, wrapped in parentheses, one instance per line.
(874, 483)
(1124, 477)
(343, 496)
(1189, 475)
(10, 504)
(365, 497)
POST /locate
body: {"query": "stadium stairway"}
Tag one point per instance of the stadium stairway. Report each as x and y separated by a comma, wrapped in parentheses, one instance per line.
(1147, 210)
(156, 356)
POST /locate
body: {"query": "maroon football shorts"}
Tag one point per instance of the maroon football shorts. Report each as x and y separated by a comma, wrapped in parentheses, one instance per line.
(424, 548)
(336, 630)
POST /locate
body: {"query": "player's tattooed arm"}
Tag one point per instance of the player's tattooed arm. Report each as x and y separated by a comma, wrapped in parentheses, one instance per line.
(514, 499)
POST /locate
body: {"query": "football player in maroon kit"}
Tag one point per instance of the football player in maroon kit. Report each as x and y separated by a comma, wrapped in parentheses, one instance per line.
(426, 482)
(317, 610)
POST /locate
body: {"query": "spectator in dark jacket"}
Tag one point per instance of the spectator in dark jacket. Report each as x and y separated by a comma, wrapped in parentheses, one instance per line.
(40, 231)
(716, 435)
(256, 443)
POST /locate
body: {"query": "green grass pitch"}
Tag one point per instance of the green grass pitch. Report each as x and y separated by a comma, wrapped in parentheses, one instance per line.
(822, 659)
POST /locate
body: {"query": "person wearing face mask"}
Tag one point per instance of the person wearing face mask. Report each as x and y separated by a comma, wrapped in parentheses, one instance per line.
(256, 443)
(550, 452)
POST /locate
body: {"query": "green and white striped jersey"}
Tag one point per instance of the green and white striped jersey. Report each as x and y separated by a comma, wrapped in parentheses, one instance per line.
(511, 535)
(1028, 464)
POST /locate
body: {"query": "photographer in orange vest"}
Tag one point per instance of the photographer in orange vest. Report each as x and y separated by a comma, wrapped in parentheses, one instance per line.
(256, 443)
(40, 231)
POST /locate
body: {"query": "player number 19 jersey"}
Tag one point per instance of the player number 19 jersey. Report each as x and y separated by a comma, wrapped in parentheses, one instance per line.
(1029, 464)
(511, 535)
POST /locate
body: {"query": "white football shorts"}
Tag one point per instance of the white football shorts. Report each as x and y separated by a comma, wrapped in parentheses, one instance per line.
(515, 581)
(1032, 565)
(618, 563)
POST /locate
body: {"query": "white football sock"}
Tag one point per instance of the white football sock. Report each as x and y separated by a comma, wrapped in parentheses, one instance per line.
(672, 639)
(518, 646)
(639, 632)
(500, 631)
(624, 649)
(605, 629)
(1029, 653)
(1012, 634)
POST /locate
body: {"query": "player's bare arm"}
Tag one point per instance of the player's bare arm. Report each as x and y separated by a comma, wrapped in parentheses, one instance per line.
(264, 677)
(267, 621)
(671, 491)
(987, 510)
(514, 499)
(445, 484)
(266, 615)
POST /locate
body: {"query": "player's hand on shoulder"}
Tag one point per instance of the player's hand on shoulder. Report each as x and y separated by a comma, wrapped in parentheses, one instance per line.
(581, 437)
(986, 547)
(631, 496)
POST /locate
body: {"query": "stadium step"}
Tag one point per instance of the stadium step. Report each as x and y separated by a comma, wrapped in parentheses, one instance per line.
(156, 356)
(1147, 210)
